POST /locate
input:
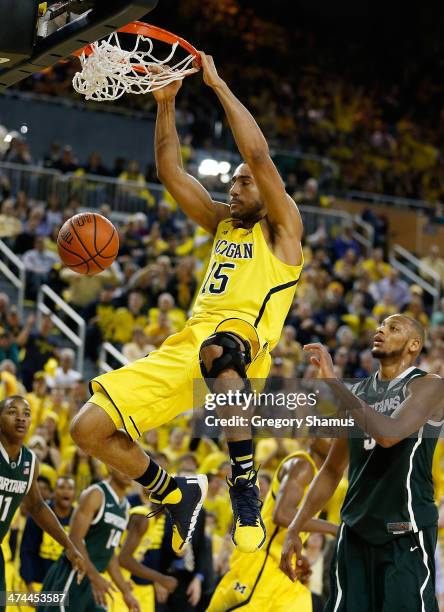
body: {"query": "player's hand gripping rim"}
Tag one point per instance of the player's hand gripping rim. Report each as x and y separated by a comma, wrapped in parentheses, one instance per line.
(293, 563)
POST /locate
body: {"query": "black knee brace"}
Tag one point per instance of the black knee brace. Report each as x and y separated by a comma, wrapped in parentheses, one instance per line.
(233, 357)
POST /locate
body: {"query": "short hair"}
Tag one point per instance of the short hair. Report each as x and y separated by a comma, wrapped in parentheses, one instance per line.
(12, 398)
(44, 479)
(416, 327)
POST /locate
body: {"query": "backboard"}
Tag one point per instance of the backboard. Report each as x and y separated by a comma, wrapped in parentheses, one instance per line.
(34, 36)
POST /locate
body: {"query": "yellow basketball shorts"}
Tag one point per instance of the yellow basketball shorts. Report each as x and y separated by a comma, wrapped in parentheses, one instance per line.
(152, 391)
(255, 582)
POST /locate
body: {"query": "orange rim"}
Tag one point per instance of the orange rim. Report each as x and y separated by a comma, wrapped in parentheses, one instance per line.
(149, 31)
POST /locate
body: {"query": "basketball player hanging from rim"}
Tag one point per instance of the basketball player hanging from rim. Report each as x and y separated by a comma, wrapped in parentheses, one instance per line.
(237, 319)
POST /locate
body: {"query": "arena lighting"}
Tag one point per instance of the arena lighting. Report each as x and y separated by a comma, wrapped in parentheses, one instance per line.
(225, 178)
(224, 167)
(10, 136)
(211, 167)
(24, 129)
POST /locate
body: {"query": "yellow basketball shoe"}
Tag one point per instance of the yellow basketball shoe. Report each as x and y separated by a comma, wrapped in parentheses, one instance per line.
(183, 505)
(248, 533)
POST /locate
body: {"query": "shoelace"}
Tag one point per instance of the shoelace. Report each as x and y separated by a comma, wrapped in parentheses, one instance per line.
(156, 511)
(247, 503)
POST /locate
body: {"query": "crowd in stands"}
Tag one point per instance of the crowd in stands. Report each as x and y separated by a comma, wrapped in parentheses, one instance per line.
(146, 295)
(384, 137)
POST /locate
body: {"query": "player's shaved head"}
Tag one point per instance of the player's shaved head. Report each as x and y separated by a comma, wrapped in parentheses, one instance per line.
(416, 329)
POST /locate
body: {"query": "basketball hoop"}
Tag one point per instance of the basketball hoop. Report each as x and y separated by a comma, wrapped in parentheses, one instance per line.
(109, 71)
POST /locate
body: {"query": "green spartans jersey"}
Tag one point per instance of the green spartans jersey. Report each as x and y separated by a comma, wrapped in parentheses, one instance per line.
(15, 482)
(107, 527)
(390, 490)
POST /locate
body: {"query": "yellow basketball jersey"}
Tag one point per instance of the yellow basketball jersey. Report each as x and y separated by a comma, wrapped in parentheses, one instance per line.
(245, 280)
(275, 533)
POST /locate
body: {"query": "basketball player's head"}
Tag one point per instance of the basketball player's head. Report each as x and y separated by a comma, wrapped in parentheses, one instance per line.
(15, 418)
(246, 205)
(119, 478)
(398, 338)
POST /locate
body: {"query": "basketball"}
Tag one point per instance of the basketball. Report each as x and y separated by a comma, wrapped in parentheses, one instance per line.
(88, 243)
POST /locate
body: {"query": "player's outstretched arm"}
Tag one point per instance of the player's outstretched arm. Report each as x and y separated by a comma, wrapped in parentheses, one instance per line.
(124, 587)
(425, 398)
(136, 530)
(47, 520)
(282, 212)
(192, 197)
(321, 489)
(89, 505)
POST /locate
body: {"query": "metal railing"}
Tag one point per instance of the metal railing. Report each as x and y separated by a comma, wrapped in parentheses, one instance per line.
(108, 348)
(413, 269)
(77, 338)
(381, 198)
(17, 279)
(312, 216)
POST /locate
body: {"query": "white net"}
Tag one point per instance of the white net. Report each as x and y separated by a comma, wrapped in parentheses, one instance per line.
(110, 71)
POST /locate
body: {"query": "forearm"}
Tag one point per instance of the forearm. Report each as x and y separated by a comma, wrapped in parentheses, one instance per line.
(320, 491)
(90, 569)
(320, 526)
(116, 575)
(167, 145)
(247, 134)
(376, 425)
(138, 569)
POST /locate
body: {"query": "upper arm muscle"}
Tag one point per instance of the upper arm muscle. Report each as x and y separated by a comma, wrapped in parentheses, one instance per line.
(195, 201)
(282, 211)
(89, 503)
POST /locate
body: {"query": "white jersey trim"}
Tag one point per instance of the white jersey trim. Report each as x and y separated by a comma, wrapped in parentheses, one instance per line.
(31, 471)
(425, 560)
(409, 474)
(67, 587)
(338, 583)
(99, 514)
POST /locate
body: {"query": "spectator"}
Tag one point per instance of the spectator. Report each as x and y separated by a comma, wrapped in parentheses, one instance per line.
(344, 242)
(99, 315)
(8, 347)
(10, 224)
(182, 285)
(434, 262)
(38, 262)
(367, 365)
(126, 319)
(139, 347)
(93, 166)
(289, 349)
(135, 184)
(83, 289)
(66, 162)
(39, 347)
(176, 445)
(375, 266)
(166, 306)
(38, 550)
(65, 376)
(392, 284)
